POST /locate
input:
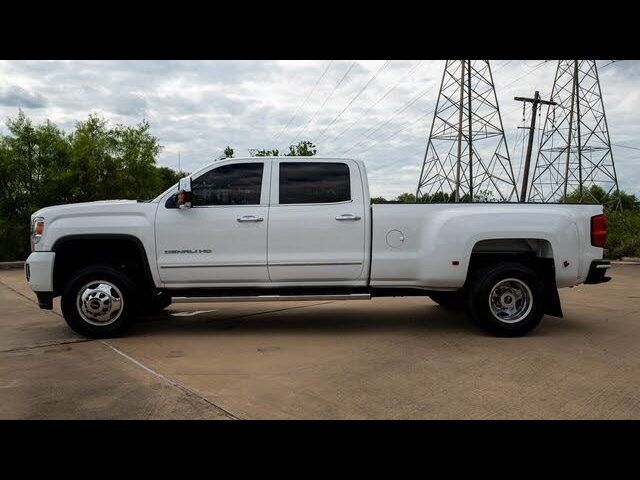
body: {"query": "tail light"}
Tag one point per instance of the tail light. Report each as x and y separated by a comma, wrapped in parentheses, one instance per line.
(599, 230)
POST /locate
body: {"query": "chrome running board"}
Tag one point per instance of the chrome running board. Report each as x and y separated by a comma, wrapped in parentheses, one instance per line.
(272, 298)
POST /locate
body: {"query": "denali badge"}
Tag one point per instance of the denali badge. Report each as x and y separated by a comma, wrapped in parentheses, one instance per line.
(205, 250)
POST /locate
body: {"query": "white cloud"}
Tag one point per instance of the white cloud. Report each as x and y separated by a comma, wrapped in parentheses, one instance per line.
(197, 108)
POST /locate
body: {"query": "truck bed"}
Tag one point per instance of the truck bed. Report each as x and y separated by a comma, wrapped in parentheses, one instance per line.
(430, 245)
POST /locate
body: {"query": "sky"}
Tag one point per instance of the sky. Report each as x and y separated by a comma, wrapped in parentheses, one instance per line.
(376, 110)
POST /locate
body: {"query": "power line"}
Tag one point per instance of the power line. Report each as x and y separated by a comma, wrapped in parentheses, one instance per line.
(502, 65)
(353, 100)
(533, 69)
(611, 62)
(313, 89)
(536, 65)
(385, 95)
(625, 146)
(407, 124)
(373, 130)
(412, 122)
(369, 133)
(397, 112)
(325, 101)
(393, 134)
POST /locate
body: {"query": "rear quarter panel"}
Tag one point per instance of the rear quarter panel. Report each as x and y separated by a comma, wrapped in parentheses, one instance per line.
(438, 235)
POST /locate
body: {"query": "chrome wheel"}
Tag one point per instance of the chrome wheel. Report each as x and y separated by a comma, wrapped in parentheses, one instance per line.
(100, 302)
(510, 300)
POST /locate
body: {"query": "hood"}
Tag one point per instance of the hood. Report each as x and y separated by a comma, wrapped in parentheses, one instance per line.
(73, 206)
(112, 217)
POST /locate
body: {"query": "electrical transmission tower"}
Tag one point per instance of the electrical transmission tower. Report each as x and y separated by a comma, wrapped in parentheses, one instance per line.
(575, 149)
(467, 157)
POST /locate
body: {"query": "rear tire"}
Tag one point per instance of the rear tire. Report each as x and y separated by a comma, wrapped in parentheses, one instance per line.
(506, 299)
(450, 300)
(99, 302)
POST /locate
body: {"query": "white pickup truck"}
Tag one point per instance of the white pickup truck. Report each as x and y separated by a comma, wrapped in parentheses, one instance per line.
(303, 228)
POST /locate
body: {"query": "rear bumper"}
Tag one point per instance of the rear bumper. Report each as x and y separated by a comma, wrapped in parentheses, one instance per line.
(598, 271)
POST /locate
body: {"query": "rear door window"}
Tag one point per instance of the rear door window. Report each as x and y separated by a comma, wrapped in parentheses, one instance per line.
(317, 182)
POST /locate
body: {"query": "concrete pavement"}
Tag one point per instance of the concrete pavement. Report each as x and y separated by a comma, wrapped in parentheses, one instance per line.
(385, 358)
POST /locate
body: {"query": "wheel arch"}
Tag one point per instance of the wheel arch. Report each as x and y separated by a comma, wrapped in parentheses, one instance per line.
(78, 250)
(537, 253)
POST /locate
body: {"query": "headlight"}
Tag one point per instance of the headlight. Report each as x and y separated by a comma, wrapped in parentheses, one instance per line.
(37, 229)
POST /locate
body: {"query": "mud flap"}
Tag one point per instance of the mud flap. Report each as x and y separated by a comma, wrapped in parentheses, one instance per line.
(552, 304)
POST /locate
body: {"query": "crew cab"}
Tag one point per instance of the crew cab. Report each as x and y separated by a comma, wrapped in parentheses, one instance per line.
(303, 228)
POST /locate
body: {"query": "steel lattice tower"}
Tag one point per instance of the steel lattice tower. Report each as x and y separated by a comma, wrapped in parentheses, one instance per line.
(467, 155)
(575, 149)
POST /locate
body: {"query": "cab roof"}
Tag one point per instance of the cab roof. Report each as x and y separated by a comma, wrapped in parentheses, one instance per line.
(286, 157)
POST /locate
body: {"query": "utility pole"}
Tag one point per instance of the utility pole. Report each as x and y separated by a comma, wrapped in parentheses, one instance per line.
(535, 101)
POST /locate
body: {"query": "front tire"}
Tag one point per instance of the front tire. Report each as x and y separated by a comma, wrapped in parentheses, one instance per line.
(99, 302)
(506, 299)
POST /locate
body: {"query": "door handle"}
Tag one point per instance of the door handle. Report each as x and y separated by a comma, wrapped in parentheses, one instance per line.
(348, 216)
(250, 218)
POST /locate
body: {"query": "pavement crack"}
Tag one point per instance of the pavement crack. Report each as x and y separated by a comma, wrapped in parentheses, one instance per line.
(171, 382)
(248, 315)
(26, 297)
(45, 345)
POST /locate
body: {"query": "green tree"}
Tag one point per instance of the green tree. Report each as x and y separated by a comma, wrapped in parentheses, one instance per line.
(228, 152)
(267, 153)
(406, 198)
(40, 165)
(438, 197)
(597, 194)
(33, 164)
(378, 200)
(304, 148)
(116, 162)
(482, 196)
(136, 150)
(627, 201)
(169, 177)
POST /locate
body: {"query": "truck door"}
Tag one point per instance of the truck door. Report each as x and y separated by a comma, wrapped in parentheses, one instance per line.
(316, 222)
(222, 239)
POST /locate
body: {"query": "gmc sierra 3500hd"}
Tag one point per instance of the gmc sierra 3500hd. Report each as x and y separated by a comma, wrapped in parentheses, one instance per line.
(290, 228)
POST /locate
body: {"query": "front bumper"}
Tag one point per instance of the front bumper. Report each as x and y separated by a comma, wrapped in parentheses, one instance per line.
(45, 300)
(597, 272)
(39, 272)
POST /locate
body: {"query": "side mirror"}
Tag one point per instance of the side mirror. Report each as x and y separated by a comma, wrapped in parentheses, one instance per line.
(184, 193)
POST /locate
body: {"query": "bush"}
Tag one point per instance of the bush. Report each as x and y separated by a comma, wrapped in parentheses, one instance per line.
(623, 234)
